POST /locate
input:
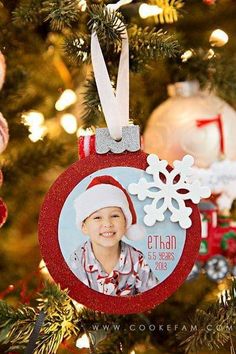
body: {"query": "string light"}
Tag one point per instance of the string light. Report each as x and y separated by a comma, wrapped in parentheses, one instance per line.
(131, 121)
(79, 307)
(69, 123)
(37, 133)
(67, 98)
(146, 10)
(210, 53)
(83, 342)
(187, 55)
(44, 271)
(218, 38)
(42, 268)
(117, 5)
(34, 120)
(82, 5)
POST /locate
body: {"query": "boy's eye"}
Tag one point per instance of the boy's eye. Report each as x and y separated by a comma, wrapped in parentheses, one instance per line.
(115, 215)
(96, 218)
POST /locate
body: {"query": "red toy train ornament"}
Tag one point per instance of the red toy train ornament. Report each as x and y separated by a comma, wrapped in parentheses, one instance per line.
(217, 254)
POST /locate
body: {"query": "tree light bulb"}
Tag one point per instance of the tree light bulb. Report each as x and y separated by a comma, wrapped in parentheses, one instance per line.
(82, 5)
(218, 38)
(37, 133)
(42, 268)
(69, 123)
(210, 54)
(67, 98)
(79, 307)
(187, 55)
(83, 342)
(33, 118)
(117, 5)
(146, 10)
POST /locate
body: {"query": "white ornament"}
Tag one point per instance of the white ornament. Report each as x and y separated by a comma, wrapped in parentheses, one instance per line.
(168, 191)
(172, 131)
(220, 177)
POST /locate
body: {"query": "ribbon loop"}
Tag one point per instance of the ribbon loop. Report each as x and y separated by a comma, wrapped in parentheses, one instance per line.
(115, 106)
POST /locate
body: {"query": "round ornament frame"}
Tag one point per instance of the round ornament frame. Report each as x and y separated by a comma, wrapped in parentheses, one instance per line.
(59, 269)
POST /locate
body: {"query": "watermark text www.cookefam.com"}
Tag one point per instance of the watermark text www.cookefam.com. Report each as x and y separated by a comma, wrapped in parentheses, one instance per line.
(161, 327)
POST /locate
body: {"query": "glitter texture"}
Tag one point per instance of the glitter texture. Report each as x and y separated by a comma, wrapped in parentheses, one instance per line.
(58, 268)
(130, 140)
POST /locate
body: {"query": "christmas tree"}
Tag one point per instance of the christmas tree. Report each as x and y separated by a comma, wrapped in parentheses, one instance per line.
(49, 99)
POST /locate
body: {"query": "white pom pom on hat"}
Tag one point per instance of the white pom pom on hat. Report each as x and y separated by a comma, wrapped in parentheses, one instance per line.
(106, 191)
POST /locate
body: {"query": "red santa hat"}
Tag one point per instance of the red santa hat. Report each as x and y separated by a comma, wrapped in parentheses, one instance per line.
(105, 191)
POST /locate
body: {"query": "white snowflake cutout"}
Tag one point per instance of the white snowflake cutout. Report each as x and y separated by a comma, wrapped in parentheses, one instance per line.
(169, 188)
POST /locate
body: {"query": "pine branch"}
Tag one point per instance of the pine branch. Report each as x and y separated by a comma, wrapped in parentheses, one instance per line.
(60, 322)
(92, 112)
(28, 12)
(52, 296)
(108, 24)
(16, 325)
(61, 13)
(147, 45)
(212, 69)
(31, 161)
(77, 48)
(212, 328)
(171, 10)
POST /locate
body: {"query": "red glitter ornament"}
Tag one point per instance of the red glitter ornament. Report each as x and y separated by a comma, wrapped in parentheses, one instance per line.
(3, 212)
(51, 230)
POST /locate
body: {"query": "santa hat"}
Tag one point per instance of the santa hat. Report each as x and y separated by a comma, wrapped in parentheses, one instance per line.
(105, 191)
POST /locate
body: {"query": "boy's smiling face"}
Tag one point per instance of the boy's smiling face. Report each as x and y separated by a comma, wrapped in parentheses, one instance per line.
(106, 226)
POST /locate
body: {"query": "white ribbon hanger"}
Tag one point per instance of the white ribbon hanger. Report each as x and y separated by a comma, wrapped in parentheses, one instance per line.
(115, 106)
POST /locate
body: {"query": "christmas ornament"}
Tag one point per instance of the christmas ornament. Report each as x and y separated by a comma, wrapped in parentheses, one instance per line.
(2, 69)
(169, 191)
(3, 212)
(4, 135)
(94, 235)
(86, 145)
(217, 254)
(220, 177)
(209, 2)
(192, 122)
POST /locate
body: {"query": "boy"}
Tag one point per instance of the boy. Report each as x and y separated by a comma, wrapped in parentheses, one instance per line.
(105, 213)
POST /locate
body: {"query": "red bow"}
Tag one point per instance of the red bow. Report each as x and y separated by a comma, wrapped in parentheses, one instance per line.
(218, 121)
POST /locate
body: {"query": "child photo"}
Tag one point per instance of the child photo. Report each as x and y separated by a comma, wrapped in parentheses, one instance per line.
(105, 242)
(105, 263)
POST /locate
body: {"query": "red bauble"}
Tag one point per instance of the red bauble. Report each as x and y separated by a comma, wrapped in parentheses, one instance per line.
(209, 2)
(3, 212)
(52, 246)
